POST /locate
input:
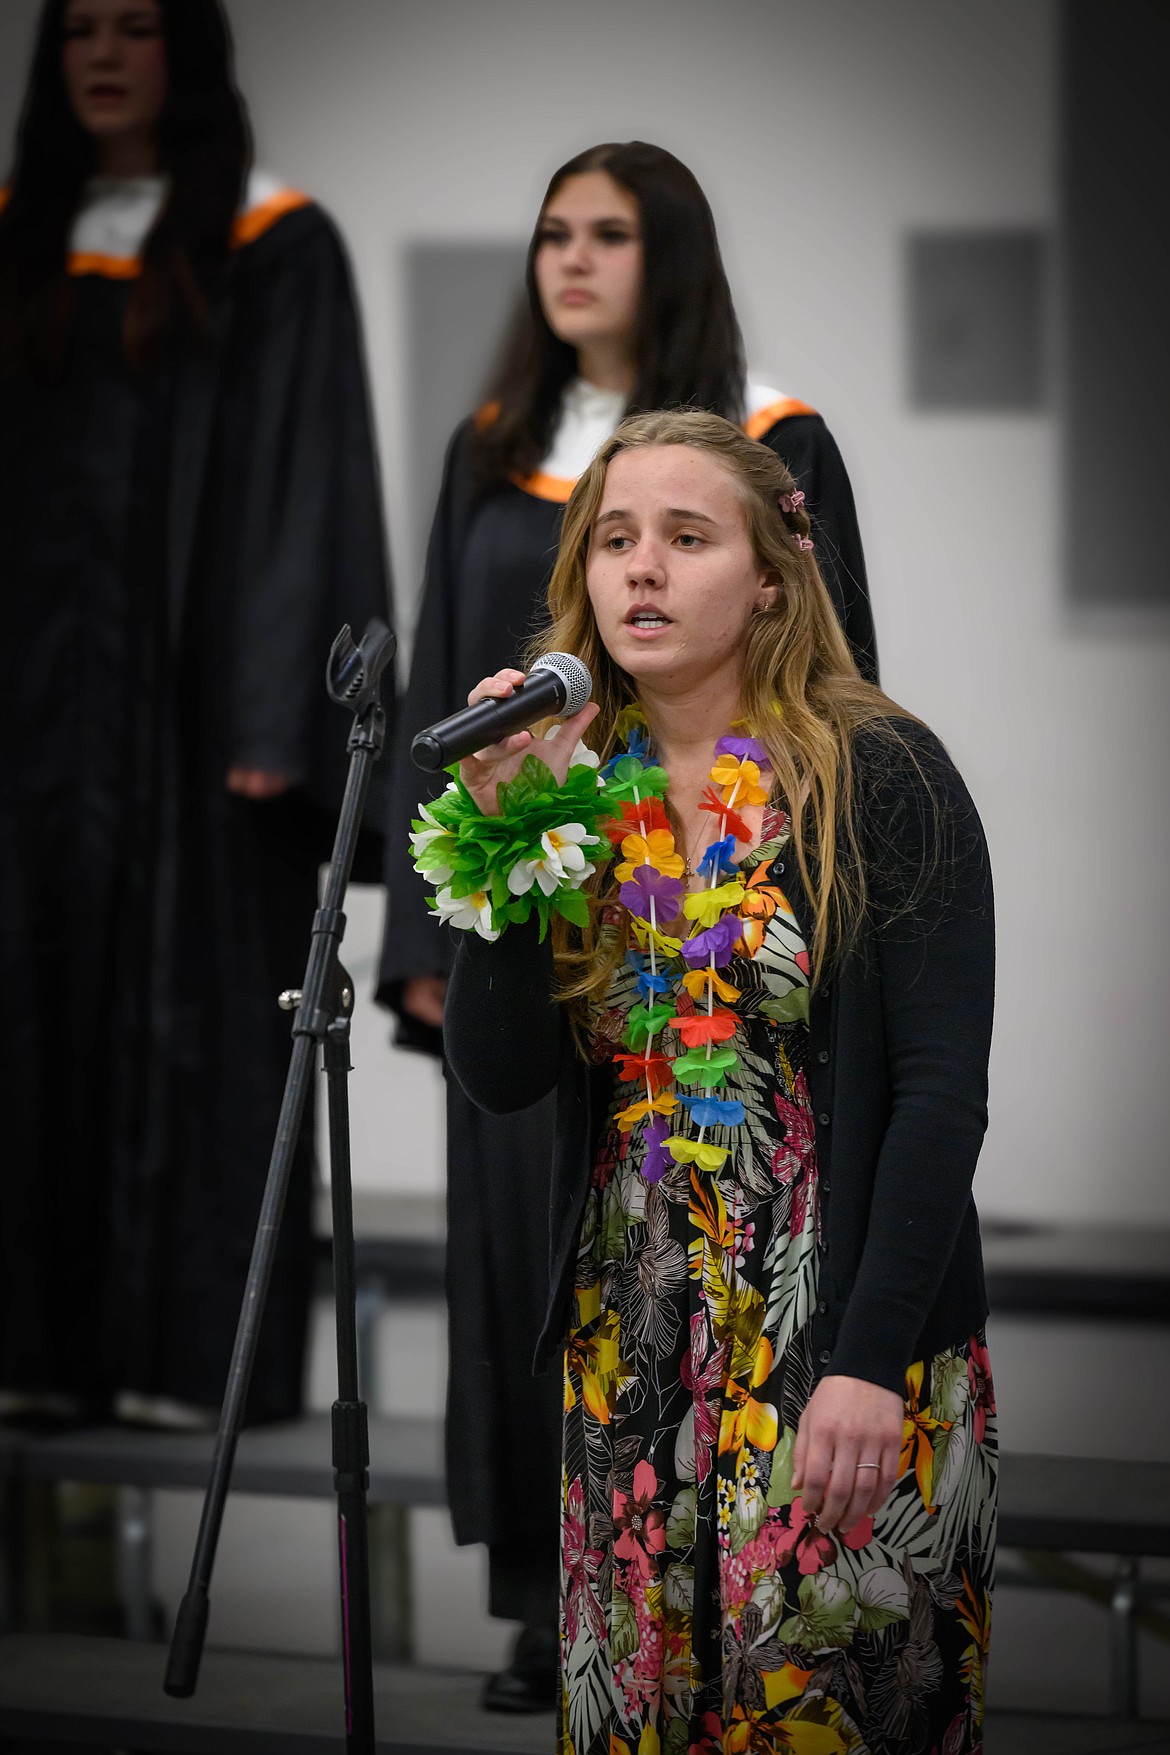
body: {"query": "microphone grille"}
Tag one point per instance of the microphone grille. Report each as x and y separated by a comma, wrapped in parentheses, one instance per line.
(574, 675)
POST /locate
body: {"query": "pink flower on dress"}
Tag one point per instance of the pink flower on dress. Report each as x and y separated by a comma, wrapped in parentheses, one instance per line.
(710, 1738)
(955, 1737)
(811, 1546)
(980, 1385)
(794, 1160)
(582, 1567)
(642, 1527)
(745, 1237)
(701, 1376)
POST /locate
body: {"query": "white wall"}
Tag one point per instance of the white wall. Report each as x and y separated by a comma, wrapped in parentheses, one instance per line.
(822, 134)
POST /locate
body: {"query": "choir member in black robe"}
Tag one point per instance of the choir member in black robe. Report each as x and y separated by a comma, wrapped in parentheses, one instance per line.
(189, 510)
(628, 307)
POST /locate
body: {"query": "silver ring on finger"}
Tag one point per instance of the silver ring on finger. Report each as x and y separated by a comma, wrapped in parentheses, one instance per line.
(876, 1466)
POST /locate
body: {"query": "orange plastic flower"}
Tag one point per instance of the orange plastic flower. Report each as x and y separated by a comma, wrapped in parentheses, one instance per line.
(695, 981)
(655, 1067)
(697, 1028)
(734, 823)
(628, 1117)
(637, 819)
(656, 849)
(740, 781)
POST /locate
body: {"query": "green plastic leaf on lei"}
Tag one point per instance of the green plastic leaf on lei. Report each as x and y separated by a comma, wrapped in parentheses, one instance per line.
(697, 1068)
(572, 905)
(478, 852)
(646, 1021)
(630, 779)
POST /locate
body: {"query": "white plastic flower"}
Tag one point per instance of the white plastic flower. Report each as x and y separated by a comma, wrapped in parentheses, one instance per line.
(421, 839)
(469, 913)
(561, 858)
(582, 756)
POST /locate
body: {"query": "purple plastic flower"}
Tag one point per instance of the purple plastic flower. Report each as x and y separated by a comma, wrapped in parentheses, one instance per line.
(714, 945)
(657, 1160)
(646, 883)
(745, 748)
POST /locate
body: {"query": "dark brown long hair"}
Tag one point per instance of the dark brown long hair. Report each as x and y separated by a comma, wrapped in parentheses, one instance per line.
(688, 347)
(204, 148)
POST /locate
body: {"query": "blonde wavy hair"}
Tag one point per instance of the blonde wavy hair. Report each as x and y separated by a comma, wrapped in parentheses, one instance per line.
(803, 697)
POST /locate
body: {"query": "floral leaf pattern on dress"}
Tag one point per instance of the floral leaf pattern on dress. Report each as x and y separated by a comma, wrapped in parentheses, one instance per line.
(730, 1621)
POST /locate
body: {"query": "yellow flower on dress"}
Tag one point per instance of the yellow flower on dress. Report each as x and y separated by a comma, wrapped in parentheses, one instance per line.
(748, 1421)
(597, 1361)
(655, 849)
(918, 1429)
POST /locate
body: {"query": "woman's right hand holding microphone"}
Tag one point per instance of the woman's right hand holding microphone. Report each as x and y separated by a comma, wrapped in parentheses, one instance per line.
(490, 768)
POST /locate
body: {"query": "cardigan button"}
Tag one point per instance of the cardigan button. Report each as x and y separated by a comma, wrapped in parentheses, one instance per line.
(823, 1057)
(822, 1308)
(824, 1355)
(824, 1118)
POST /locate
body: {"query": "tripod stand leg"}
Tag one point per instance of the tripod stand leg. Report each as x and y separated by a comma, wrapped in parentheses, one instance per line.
(323, 1006)
(351, 1442)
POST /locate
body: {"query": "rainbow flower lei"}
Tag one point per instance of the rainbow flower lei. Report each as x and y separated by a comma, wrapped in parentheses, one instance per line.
(652, 887)
(494, 871)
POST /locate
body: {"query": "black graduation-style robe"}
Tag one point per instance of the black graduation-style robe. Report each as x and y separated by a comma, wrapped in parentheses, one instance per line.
(488, 566)
(178, 548)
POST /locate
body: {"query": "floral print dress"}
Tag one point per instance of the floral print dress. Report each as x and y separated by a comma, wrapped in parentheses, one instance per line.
(702, 1611)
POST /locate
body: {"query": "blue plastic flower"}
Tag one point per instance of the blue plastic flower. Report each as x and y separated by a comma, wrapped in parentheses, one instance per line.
(650, 984)
(713, 1111)
(719, 859)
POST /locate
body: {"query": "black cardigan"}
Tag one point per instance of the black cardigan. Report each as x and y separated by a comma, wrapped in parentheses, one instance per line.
(898, 1046)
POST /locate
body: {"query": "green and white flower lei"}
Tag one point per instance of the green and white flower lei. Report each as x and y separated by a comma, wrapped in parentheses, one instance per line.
(533, 858)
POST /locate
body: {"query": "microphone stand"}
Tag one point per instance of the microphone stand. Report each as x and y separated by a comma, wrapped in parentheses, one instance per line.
(324, 1006)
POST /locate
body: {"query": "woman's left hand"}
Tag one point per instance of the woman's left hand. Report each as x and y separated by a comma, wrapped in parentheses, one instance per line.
(256, 783)
(847, 1421)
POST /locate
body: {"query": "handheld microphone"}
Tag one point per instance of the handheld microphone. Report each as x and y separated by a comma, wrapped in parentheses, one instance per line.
(557, 684)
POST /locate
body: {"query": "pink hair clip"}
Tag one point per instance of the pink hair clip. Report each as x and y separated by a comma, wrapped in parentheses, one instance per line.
(804, 542)
(792, 502)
